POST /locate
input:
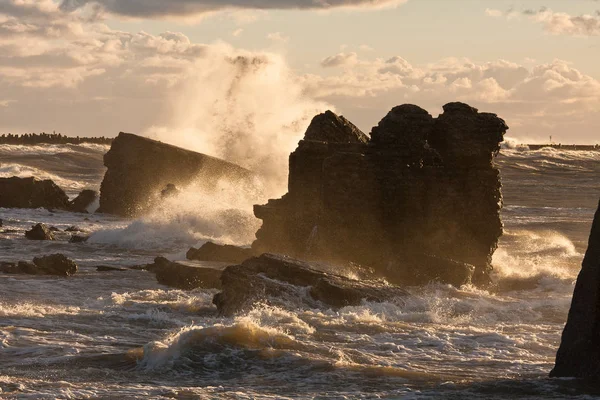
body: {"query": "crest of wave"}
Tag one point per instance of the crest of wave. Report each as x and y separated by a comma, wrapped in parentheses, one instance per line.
(247, 108)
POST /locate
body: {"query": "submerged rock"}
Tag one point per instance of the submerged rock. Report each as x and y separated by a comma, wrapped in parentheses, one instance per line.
(186, 277)
(18, 192)
(579, 352)
(78, 239)
(83, 200)
(210, 251)
(104, 268)
(420, 186)
(272, 278)
(55, 264)
(140, 168)
(39, 232)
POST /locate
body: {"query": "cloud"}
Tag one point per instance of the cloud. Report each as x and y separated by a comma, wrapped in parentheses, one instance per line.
(191, 8)
(237, 32)
(278, 37)
(557, 23)
(340, 59)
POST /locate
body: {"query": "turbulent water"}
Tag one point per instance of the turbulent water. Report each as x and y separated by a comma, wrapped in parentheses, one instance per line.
(122, 335)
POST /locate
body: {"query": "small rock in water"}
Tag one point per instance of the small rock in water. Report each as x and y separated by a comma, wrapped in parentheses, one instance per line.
(220, 253)
(74, 228)
(54, 229)
(104, 268)
(185, 277)
(39, 232)
(83, 201)
(56, 264)
(78, 239)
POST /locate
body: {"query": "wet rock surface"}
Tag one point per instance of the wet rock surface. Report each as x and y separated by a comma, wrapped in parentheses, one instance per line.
(83, 200)
(271, 278)
(39, 232)
(210, 251)
(140, 168)
(420, 186)
(18, 192)
(55, 264)
(186, 277)
(579, 352)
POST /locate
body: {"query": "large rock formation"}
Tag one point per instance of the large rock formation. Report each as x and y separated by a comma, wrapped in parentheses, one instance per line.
(422, 191)
(274, 278)
(140, 168)
(31, 193)
(579, 352)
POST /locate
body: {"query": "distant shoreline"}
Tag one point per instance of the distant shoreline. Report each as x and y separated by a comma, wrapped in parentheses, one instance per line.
(32, 139)
(580, 147)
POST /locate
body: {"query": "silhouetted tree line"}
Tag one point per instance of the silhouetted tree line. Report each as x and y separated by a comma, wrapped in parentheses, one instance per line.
(50, 138)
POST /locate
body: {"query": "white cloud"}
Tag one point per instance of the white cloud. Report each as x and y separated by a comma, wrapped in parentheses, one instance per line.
(340, 59)
(278, 37)
(237, 32)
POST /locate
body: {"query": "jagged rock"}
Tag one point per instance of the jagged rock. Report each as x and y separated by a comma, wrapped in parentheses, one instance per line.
(169, 191)
(271, 278)
(210, 251)
(579, 352)
(104, 268)
(183, 276)
(421, 186)
(139, 168)
(55, 264)
(328, 127)
(31, 193)
(78, 239)
(83, 201)
(39, 232)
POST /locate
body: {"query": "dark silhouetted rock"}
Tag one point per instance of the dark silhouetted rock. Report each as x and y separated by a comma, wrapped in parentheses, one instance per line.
(83, 201)
(1, 223)
(78, 239)
(422, 193)
(74, 229)
(31, 193)
(328, 127)
(39, 232)
(579, 352)
(221, 253)
(104, 268)
(140, 168)
(272, 278)
(169, 191)
(55, 264)
(183, 276)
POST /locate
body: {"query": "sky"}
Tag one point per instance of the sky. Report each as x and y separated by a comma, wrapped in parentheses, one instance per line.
(241, 79)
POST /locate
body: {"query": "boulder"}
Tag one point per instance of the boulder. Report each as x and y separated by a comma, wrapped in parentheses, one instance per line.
(138, 169)
(328, 127)
(210, 251)
(421, 200)
(31, 193)
(55, 264)
(39, 232)
(83, 200)
(272, 278)
(579, 353)
(186, 277)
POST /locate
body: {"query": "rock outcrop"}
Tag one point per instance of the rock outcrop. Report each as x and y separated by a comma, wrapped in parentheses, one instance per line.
(140, 168)
(579, 352)
(55, 264)
(83, 201)
(210, 251)
(422, 191)
(39, 232)
(186, 277)
(18, 192)
(271, 278)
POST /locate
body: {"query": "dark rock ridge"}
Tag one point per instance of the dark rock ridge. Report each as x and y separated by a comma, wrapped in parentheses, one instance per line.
(31, 193)
(422, 191)
(140, 168)
(272, 278)
(55, 264)
(39, 232)
(579, 353)
(210, 251)
(83, 201)
(186, 277)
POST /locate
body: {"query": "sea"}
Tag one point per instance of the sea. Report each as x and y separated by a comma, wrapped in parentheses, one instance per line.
(121, 335)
